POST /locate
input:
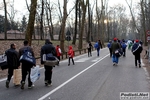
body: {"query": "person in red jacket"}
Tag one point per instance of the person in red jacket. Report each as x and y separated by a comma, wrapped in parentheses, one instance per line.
(58, 52)
(71, 55)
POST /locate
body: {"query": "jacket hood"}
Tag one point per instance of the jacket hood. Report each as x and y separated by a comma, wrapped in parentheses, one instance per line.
(70, 47)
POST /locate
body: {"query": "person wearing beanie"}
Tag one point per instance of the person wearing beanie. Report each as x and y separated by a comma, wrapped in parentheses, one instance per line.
(136, 50)
(47, 49)
(114, 47)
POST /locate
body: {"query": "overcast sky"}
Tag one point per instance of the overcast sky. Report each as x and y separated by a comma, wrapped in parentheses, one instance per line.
(20, 6)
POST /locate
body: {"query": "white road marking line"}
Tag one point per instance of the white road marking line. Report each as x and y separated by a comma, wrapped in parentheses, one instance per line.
(63, 84)
(82, 60)
(96, 59)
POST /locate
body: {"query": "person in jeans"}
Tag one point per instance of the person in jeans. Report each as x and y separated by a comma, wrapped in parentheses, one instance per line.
(26, 66)
(115, 46)
(46, 49)
(136, 50)
(12, 62)
(71, 55)
(97, 46)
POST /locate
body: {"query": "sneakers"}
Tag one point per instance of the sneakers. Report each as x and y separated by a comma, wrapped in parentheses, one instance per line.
(68, 64)
(22, 85)
(49, 84)
(115, 64)
(7, 84)
(46, 83)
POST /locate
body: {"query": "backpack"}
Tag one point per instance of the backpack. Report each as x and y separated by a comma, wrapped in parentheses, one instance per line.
(27, 56)
(124, 45)
(96, 45)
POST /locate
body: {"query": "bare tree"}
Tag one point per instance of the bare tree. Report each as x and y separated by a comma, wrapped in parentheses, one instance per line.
(132, 15)
(84, 7)
(49, 19)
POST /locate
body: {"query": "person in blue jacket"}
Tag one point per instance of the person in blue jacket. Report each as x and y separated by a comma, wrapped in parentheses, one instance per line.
(97, 46)
(109, 47)
(123, 45)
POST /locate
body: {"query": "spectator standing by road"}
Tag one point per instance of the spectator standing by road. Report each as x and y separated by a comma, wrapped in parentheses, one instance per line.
(89, 47)
(26, 66)
(71, 55)
(115, 46)
(12, 62)
(136, 50)
(47, 49)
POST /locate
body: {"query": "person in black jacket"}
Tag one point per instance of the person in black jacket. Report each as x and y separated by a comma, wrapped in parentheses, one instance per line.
(26, 66)
(46, 49)
(89, 47)
(136, 50)
(12, 61)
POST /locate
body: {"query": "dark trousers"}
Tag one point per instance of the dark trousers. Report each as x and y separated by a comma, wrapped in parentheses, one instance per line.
(72, 60)
(58, 59)
(26, 69)
(137, 59)
(124, 52)
(89, 52)
(10, 73)
(48, 74)
(110, 52)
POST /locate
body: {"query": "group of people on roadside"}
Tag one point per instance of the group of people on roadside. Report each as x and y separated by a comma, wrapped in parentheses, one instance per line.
(13, 61)
(118, 48)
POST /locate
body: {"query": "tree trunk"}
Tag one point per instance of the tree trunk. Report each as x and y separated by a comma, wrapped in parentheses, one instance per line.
(41, 21)
(5, 25)
(76, 22)
(63, 25)
(30, 27)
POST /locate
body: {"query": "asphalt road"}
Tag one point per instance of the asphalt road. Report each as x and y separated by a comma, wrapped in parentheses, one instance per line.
(91, 78)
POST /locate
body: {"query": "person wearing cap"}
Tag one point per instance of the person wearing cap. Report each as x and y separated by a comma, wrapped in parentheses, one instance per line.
(115, 46)
(136, 50)
(46, 49)
(12, 61)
